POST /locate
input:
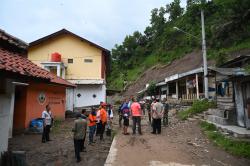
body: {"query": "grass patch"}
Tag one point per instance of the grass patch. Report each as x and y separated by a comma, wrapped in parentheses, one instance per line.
(197, 107)
(57, 125)
(113, 134)
(239, 148)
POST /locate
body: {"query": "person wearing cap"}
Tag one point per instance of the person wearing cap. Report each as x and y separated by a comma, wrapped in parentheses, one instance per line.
(136, 114)
(157, 114)
(79, 130)
(103, 119)
(92, 125)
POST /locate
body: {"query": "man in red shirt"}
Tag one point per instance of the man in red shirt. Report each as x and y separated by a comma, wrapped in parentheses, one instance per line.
(136, 114)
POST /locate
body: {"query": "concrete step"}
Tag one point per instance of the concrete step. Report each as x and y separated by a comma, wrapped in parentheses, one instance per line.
(225, 99)
(217, 112)
(226, 107)
(216, 119)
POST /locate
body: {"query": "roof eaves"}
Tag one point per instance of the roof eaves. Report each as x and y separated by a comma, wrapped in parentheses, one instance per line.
(65, 31)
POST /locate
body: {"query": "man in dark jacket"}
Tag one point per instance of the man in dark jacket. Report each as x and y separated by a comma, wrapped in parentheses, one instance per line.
(79, 129)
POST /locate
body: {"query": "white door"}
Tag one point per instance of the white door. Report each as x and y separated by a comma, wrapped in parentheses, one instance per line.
(69, 99)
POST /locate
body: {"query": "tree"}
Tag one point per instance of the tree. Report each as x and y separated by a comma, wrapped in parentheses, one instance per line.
(151, 90)
(174, 9)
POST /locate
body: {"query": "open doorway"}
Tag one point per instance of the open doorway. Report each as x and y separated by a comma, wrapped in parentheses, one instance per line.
(19, 109)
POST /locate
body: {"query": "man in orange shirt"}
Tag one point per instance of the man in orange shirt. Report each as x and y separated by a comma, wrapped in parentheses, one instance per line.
(136, 113)
(103, 119)
(92, 125)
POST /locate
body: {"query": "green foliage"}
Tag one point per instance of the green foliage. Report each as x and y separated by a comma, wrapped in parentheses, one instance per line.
(140, 95)
(151, 90)
(57, 125)
(198, 106)
(227, 26)
(174, 9)
(239, 148)
(247, 68)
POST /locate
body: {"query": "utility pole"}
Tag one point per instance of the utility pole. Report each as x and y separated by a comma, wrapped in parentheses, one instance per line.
(204, 54)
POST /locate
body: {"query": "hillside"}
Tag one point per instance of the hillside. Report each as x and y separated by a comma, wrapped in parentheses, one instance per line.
(227, 26)
(159, 73)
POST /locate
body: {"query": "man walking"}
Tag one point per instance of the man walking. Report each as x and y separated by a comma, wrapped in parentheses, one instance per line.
(79, 129)
(136, 114)
(47, 122)
(157, 116)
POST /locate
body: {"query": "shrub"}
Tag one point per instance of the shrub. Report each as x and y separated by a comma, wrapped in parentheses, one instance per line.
(198, 106)
(236, 147)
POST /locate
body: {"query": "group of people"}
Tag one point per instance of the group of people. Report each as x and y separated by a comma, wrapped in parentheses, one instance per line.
(96, 121)
(157, 111)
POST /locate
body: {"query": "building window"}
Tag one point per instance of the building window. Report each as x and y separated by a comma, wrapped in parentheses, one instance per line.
(88, 60)
(70, 60)
(79, 95)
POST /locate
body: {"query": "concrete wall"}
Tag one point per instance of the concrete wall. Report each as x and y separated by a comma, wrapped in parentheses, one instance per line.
(70, 47)
(70, 99)
(55, 96)
(87, 92)
(6, 98)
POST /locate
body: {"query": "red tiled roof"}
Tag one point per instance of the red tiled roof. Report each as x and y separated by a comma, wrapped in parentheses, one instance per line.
(13, 62)
(58, 80)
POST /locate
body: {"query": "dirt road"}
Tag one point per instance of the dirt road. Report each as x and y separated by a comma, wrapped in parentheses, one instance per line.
(182, 143)
(60, 151)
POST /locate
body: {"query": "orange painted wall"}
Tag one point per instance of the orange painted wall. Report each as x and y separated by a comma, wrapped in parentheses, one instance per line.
(55, 95)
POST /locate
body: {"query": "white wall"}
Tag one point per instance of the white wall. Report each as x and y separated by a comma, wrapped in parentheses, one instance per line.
(69, 99)
(87, 92)
(5, 115)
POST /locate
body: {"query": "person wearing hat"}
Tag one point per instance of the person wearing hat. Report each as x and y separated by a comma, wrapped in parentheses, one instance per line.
(79, 129)
(103, 119)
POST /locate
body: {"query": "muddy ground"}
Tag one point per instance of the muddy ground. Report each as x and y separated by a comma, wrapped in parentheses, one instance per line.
(59, 151)
(181, 143)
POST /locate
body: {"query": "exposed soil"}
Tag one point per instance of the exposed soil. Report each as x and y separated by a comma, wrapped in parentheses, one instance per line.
(60, 150)
(181, 143)
(159, 73)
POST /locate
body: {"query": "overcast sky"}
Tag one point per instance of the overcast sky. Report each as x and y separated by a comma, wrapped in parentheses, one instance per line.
(104, 22)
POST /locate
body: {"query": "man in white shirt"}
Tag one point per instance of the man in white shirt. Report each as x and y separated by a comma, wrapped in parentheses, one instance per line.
(157, 114)
(47, 122)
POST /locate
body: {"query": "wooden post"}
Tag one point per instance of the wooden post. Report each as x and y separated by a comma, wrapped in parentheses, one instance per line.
(167, 93)
(187, 90)
(197, 85)
(177, 90)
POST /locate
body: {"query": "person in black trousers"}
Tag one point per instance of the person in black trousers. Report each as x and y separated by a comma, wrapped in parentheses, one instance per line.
(158, 110)
(79, 129)
(47, 122)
